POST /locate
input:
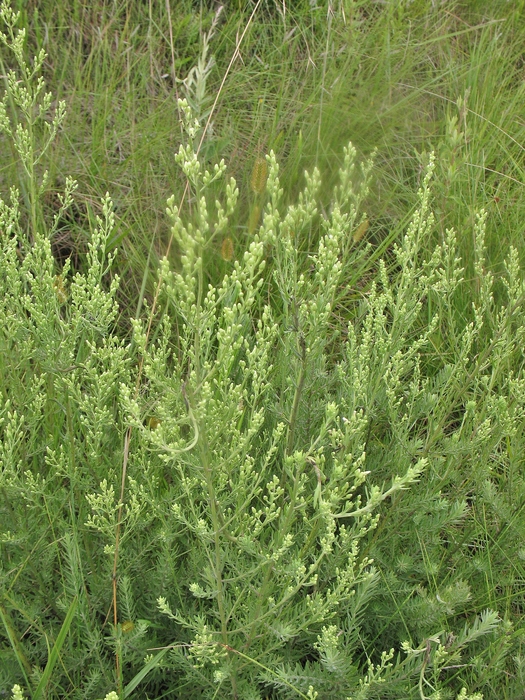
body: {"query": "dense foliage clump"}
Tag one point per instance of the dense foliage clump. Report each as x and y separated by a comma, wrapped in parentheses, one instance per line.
(290, 466)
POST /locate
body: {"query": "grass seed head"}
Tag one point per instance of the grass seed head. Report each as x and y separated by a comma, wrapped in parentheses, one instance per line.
(360, 231)
(255, 215)
(259, 176)
(227, 249)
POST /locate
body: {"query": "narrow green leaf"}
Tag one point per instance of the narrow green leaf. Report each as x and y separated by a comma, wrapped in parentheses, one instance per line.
(55, 651)
(143, 673)
(15, 643)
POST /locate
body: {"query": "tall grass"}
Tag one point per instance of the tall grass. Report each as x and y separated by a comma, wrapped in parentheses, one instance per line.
(265, 442)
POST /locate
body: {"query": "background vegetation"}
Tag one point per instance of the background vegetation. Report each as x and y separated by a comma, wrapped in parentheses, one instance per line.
(362, 354)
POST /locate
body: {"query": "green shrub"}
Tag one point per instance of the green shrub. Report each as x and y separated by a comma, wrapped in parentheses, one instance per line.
(217, 505)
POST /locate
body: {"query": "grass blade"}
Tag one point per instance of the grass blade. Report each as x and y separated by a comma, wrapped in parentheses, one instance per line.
(15, 643)
(144, 672)
(55, 651)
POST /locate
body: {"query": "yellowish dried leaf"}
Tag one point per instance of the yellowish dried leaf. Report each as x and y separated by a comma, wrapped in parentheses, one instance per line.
(60, 289)
(152, 422)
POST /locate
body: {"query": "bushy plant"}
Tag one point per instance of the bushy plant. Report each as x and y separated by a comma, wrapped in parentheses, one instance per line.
(195, 510)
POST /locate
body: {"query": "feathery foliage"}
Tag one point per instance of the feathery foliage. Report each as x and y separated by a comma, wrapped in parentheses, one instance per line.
(291, 472)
